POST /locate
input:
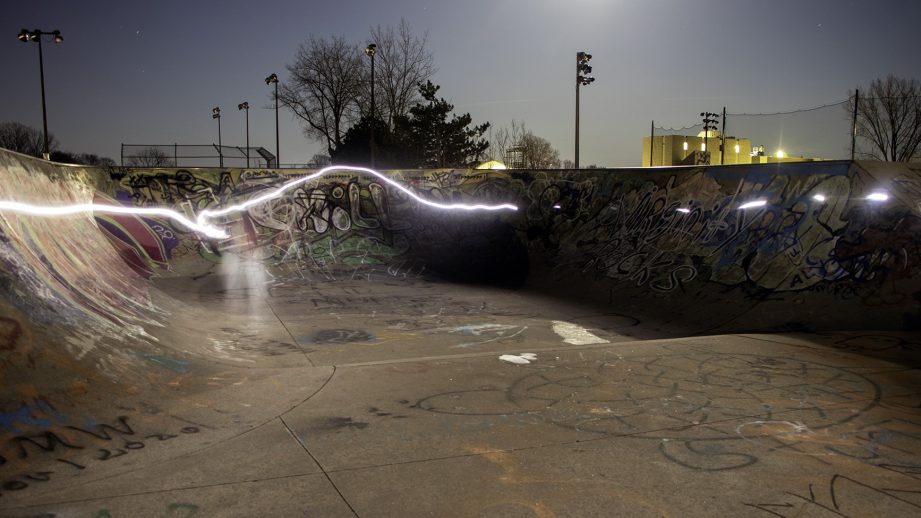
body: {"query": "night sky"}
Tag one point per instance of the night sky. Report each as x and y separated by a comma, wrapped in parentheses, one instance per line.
(150, 72)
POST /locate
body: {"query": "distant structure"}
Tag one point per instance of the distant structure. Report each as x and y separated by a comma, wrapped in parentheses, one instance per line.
(671, 150)
(514, 157)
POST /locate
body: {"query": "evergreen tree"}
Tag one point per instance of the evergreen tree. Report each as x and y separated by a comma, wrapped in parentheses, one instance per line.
(433, 141)
(424, 139)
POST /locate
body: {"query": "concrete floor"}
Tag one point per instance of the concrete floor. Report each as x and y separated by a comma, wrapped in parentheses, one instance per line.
(389, 398)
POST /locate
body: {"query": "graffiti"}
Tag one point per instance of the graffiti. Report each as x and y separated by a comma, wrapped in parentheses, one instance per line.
(10, 332)
(76, 447)
(688, 402)
(172, 510)
(846, 496)
(339, 336)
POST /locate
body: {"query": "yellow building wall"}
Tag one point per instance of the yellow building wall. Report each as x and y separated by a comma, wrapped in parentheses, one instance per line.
(668, 150)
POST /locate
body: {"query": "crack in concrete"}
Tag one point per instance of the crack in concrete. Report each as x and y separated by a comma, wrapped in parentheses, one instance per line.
(317, 462)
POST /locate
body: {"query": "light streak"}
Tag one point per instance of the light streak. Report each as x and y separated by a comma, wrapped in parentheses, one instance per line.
(753, 204)
(878, 196)
(683, 210)
(819, 197)
(207, 214)
(201, 224)
(65, 210)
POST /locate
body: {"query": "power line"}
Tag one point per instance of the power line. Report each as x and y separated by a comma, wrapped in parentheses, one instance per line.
(800, 110)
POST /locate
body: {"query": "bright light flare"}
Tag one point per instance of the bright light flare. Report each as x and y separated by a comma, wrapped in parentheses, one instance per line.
(878, 196)
(819, 198)
(683, 210)
(752, 204)
(66, 210)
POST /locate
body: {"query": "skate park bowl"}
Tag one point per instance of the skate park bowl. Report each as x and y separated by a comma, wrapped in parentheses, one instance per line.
(682, 341)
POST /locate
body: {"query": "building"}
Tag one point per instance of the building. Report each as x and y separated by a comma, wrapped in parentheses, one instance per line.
(689, 150)
(668, 150)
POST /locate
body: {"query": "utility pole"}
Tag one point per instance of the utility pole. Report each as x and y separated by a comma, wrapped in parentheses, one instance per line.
(583, 69)
(710, 121)
(652, 139)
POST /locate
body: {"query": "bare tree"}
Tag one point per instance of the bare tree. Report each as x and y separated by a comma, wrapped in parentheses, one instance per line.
(150, 157)
(518, 147)
(324, 87)
(889, 119)
(502, 140)
(402, 63)
(23, 139)
(538, 153)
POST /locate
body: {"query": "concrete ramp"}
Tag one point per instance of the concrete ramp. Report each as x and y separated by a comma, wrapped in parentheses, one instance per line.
(349, 351)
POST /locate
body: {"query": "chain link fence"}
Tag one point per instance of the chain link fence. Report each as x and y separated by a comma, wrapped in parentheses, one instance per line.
(195, 155)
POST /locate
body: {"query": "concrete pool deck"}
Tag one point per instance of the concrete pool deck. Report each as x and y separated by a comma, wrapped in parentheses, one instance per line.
(348, 397)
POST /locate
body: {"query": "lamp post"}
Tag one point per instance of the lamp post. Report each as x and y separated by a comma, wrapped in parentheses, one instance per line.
(370, 50)
(710, 121)
(273, 79)
(26, 36)
(245, 106)
(216, 114)
(583, 69)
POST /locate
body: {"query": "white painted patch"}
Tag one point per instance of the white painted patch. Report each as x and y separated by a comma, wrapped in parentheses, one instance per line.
(576, 335)
(519, 359)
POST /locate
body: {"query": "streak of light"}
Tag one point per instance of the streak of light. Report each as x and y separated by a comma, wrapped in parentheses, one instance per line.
(65, 210)
(203, 227)
(753, 204)
(204, 215)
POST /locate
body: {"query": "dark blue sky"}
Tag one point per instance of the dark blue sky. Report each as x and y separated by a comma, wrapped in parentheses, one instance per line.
(150, 72)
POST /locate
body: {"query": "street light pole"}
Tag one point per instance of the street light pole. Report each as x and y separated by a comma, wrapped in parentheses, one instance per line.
(370, 50)
(36, 36)
(270, 80)
(583, 69)
(245, 106)
(216, 114)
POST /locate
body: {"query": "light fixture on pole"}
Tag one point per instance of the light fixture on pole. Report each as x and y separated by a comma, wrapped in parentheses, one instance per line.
(26, 36)
(583, 69)
(371, 50)
(710, 124)
(216, 114)
(273, 79)
(245, 106)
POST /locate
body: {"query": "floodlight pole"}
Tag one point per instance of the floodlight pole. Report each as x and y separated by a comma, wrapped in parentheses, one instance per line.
(270, 80)
(36, 36)
(216, 114)
(245, 106)
(854, 123)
